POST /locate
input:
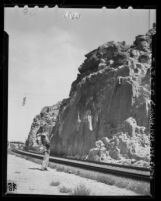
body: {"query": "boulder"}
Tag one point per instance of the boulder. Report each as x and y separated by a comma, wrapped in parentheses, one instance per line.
(103, 153)
(93, 151)
(134, 53)
(115, 153)
(129, 126)
(106, 141)
(102, 64)
(144, 58)
(140, 129)
(120, 58)
(142, 42)
(93, 154)
(99, 144)
(142, 163)
(123, 146)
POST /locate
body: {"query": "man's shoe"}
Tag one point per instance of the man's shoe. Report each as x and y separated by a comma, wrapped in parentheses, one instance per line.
(43, 169)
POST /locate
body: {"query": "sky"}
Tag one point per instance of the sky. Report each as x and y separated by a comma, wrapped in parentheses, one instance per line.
(46, 48)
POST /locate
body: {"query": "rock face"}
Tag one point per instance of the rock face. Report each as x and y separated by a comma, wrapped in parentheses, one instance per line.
(107, 114)
(111, 94)
(48, 115)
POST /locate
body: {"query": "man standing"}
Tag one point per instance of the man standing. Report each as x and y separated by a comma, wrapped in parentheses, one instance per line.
(46, 144)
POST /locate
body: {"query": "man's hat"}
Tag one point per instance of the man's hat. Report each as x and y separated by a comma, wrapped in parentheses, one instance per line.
(44, 134)
(38, 135)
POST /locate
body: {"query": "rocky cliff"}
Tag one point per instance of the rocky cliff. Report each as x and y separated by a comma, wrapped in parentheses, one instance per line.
(48, 115)
(107, 114)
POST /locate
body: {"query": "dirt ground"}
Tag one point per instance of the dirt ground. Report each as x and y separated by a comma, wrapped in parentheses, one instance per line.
(31, 180)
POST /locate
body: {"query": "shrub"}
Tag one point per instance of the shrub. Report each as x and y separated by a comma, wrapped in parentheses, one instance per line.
(142, 189)
(121, 184)
(64, 189)
(81, 190)
(52, 165)
(105, 180)
(60, 169)
(55, 183)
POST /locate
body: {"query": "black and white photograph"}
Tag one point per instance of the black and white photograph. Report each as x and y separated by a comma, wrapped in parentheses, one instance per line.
(79, 101)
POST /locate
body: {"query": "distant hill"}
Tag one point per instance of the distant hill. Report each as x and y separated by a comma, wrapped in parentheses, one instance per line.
(16, 142)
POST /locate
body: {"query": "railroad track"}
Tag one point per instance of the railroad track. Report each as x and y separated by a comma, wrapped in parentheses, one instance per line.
(136, 173)
(103, 163)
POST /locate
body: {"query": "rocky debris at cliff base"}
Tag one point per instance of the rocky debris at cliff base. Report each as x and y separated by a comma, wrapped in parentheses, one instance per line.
(130, 147)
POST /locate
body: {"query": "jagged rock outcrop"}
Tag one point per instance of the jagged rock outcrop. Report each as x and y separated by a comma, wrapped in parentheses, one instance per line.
(107, 115)
(48, 115)
(111, 95)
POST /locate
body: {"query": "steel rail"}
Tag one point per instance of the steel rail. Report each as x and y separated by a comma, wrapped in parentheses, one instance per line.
(103, 163)
(101, 168)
